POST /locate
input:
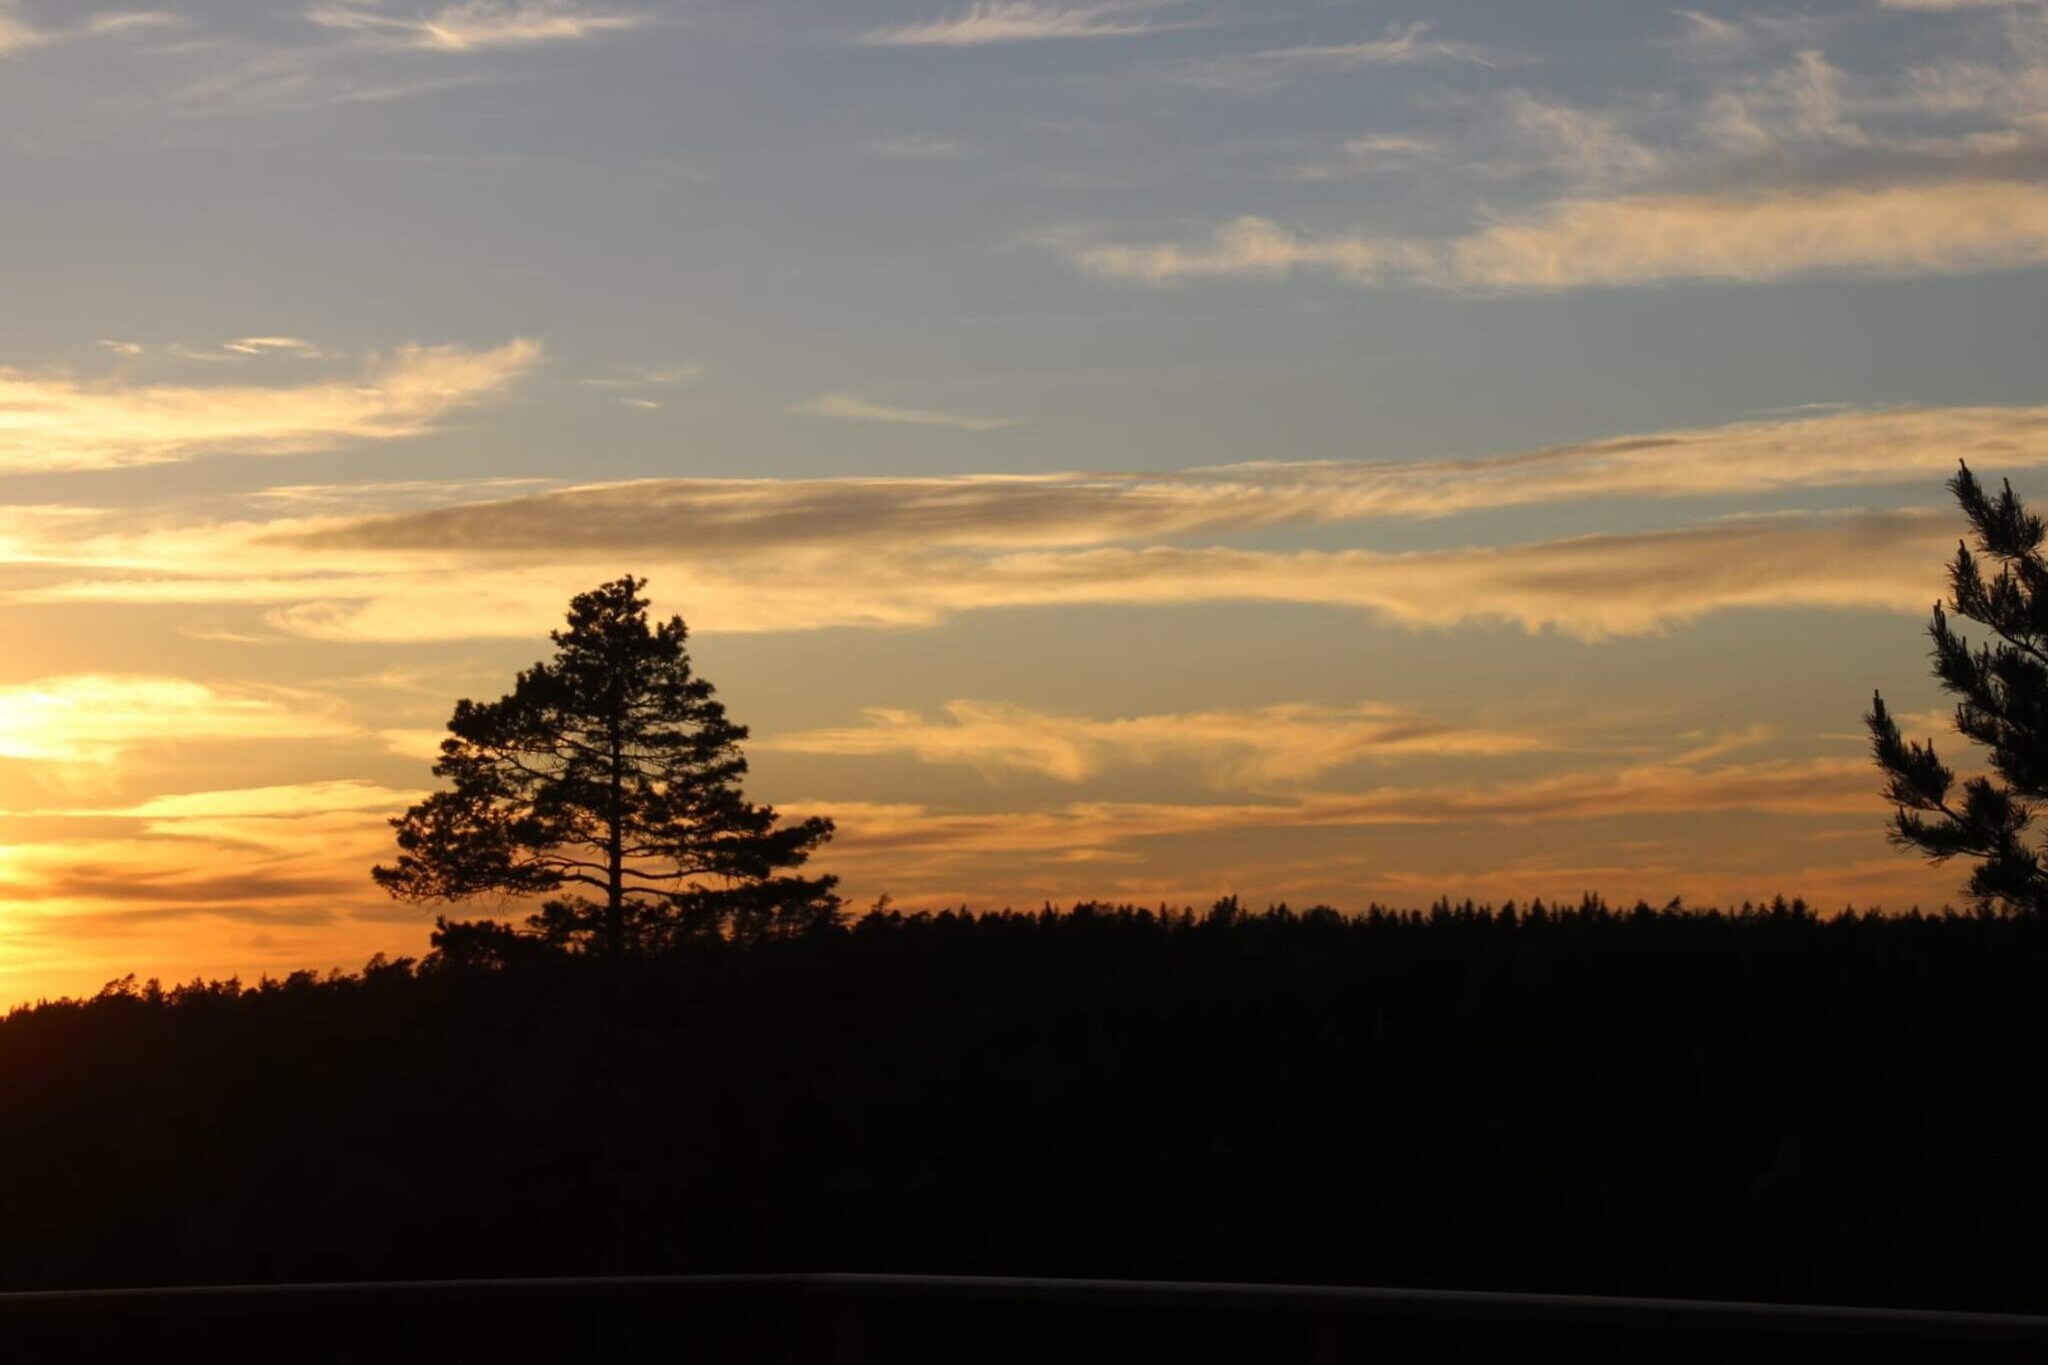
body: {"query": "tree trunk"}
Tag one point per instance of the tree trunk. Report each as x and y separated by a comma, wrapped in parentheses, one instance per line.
(615, 852)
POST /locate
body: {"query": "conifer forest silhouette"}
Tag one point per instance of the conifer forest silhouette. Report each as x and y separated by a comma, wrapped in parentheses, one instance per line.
(687, 1055)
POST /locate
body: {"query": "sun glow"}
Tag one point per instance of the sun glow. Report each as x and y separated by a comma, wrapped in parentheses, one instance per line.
(91, 719)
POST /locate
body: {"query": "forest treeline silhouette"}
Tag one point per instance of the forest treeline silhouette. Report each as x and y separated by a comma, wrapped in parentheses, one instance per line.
(690, 1058)
(1761, 1104)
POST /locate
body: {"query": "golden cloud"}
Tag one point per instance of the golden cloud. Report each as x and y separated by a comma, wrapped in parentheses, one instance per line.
(1800, 787)
(277, 875)
(797, 554)
(1143, 849)
(58, 422)
(166, 814)
(717, 517)
(94, 719)
(1591, 587)
(1286, 743)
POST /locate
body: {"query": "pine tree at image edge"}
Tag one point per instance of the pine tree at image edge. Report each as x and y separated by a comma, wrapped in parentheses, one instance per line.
(611, 773)
(2002, 691)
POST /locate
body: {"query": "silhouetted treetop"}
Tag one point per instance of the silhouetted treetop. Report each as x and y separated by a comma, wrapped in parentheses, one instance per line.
(2002, 691)
(611, 771)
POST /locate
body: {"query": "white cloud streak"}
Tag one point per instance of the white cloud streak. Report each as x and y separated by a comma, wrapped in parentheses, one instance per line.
(303, 798)
(476, 25)
(848, 407)
(120, 22)
(647, 376)
(1401, 45)
(314, 76)
(1024, 21)
(1918, 229)
(917, 147)
(18, 33)
(1949, 6)
(290, 346)
(1372, 154)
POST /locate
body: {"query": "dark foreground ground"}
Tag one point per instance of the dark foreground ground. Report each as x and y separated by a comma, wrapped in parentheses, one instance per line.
(1766, 1106)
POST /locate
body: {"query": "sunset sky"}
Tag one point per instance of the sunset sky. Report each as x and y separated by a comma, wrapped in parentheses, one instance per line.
(1324, 451)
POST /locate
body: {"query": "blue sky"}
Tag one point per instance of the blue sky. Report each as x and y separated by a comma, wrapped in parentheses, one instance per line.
(1332, 451)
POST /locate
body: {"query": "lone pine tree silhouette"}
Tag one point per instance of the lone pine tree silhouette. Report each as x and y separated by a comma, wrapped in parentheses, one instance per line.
(612, 769)
(2003, 692)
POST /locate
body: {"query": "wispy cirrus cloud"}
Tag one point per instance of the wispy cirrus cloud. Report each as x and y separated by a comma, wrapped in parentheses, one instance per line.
(18, 33)
(1372, 154)
(260, 803)
(295, 347)
(1945, 6)
(1401, 45)
(1796, 168)
(476, 25)
(762, 554)
(240, 348)
(387, 495)
(1591, 147)
(1914, 229)
(1027, 21)
(647, 376)
(1723, 37)
(57, 421)
(1001, 512)
(1254, 747)
(847, 407)
(1408, 44)
(1592, 587)
(113, 23)
(918, 147)
(633, 383)
(1804, 104)
(308, 77)
(930, 837)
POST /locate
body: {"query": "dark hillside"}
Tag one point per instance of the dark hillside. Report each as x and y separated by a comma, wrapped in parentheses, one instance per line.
(1766, 1105)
